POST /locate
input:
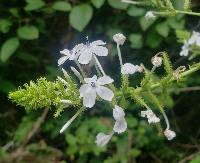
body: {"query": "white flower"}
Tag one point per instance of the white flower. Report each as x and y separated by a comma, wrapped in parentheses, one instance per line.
(185, 49)
(90, 49)
(102, 139)
(169, 134)
(119, 38)
(120, 122)
(150, 15)
(129, 68)
(95, 86)
(66, 102)
(195, 38)
(156, 61)
(152, 118)
(70, 54)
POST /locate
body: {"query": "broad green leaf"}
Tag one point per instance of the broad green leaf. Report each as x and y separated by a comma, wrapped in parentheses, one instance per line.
(136, 11)
(8, 48)
(176, 23)
(163, 29)
(80, 16)
(34, 5)
(61, 6)
(28, 32)
(97, 3)
(118, 4)
(5, 25)
(145, 24)
(136, 40)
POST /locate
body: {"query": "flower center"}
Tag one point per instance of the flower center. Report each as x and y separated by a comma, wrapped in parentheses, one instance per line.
(93, 84)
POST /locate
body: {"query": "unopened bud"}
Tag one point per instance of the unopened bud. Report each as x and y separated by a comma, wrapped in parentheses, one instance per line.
(119, 38)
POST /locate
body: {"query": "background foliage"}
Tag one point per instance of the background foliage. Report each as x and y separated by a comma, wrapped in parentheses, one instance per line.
(32, 33)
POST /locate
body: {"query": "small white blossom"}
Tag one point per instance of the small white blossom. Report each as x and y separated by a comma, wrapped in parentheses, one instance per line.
(102, 139)
(119, 38)
(194, 39)
(185, 49)
(70, 54)
(150, 15)
(120, 122)
(129, 68)
(93, 87)
(90, 49)
(66, 102)
(169, 134)
(156, 61)
(152, 118)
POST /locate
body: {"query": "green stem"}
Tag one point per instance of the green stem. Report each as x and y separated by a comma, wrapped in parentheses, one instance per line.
(187, 12)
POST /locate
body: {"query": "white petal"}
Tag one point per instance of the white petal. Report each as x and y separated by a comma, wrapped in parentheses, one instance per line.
(120, 126)
(78, 47)
(102, 139)
(65, 52)
(85, 57)
(66, 103)
(105, 93)
(62, 60)
(118, 113)
(89, 98)
(89, 80)
(98, 42)
(99, 50)
(128, 68)
(84, 89)
(169, 134)
(105, 80)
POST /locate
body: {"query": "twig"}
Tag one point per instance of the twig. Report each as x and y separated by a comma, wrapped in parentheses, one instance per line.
(187, 89)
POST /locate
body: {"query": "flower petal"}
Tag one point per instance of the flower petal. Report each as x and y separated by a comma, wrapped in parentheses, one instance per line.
(65, 52)
(99, 50)
(128, 68)
(89, 80)
(118, 113)
(105, 80)
(120, 126)
(105, 93)
(85, 56)
(98, 42)
(84, 89)
(62, 60)
(102, 139)
(89, 98)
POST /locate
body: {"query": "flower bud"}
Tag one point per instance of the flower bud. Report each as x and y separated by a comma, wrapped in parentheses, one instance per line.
(169, 134)
(150, 15)
(157, 60)
(119, 38)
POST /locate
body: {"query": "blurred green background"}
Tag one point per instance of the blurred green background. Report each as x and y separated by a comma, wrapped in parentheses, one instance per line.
(32, 32)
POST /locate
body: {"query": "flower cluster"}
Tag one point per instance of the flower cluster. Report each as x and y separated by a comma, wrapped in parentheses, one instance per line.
(101, 86)
(194, 40)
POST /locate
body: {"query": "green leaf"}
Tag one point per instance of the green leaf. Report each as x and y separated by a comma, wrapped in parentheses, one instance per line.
(97, 3)
(5, 25)
(8, 48)
(61, 6)
(196, 159)
(28, 32)
(34, 5)
(163, 29)
(136, 11)
(118, 4)
(136, 40)
(80, 16)
(145, 24)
